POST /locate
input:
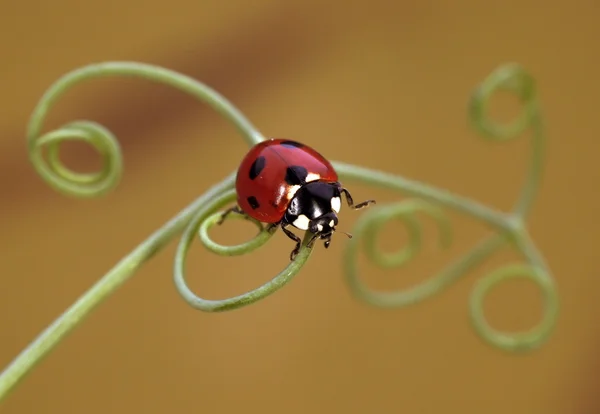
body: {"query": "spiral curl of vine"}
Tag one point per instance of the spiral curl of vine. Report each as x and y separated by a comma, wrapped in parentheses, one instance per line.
(509, 228)
(204, 220)
(67, 181)
(196, 220)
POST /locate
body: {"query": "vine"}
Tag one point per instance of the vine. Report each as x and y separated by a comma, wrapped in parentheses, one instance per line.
(201, 215)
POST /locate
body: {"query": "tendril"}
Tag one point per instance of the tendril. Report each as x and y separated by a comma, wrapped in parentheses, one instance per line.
(373, 221)
(248, 247)
(247, 298)
(530, 339)
(57, 175)
(81, 185)
(365, 233)
(67, 181)
(513, 78)
(510, 228)
(198, 218)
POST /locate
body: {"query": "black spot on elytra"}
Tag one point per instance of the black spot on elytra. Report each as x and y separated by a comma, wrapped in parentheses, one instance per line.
(295, 175)
(253, 202)
(292, 144)
(257, 166)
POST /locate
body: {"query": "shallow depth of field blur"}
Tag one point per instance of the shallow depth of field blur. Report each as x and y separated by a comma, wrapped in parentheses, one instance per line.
(381, 84)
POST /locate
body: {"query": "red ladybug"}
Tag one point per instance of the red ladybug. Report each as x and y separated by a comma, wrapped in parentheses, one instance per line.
(283, 183)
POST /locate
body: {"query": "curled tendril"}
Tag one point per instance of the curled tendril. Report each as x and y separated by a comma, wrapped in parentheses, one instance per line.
(365, 234)
(73, 183)
(57, 175)
(248, 247)
(509, 227)
(197, 219)
(374, 220)
(203, 217)
(516, 341)
(511, 78)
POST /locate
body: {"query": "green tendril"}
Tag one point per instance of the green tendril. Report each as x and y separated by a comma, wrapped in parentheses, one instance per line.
(509, 227)
(515, 341)
(513, 78)
(196, 220)
(90, 185)
(377, 218)
(67, 181)
(248, 247)
(247, 298)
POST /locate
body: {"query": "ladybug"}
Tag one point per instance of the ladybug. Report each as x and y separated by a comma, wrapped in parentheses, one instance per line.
(285, 183)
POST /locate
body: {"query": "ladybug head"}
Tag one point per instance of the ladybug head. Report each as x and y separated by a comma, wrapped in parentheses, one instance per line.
(324, 224)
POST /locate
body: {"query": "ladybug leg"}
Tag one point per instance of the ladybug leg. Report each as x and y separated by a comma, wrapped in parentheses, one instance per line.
(313, 240)
(351, 202)
(327, 241)
(271, 227)
(326, 238)
(294, 238)
(227, 212)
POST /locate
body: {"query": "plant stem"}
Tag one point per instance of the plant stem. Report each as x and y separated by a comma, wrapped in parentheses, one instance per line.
(119, 274)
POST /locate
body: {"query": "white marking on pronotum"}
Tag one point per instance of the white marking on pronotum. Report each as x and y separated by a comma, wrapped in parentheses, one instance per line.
(312, 177)
(331, 224)
(336, 203)
(319, 227)
(292, 191)
(301, 222)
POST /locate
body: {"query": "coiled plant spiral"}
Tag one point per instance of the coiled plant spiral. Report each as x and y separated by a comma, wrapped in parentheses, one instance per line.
(197, 219)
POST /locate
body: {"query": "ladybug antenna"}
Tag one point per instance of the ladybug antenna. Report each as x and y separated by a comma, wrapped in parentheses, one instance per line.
(347, 234)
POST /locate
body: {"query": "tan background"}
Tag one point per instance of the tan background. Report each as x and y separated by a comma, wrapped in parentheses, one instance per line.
(394, 74)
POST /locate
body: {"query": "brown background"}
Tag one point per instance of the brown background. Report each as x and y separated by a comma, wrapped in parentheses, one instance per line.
(338, 75)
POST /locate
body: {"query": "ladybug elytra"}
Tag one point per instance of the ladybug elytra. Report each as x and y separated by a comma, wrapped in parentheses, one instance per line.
(285, 183)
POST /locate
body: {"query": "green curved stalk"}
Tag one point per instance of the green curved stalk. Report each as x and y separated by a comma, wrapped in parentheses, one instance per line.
(515, 79)
(90, 185)
(247, 298)
(119, 274)
(197, 219)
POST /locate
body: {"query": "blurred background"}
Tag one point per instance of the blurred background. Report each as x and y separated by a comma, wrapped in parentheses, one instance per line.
(381, 84)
